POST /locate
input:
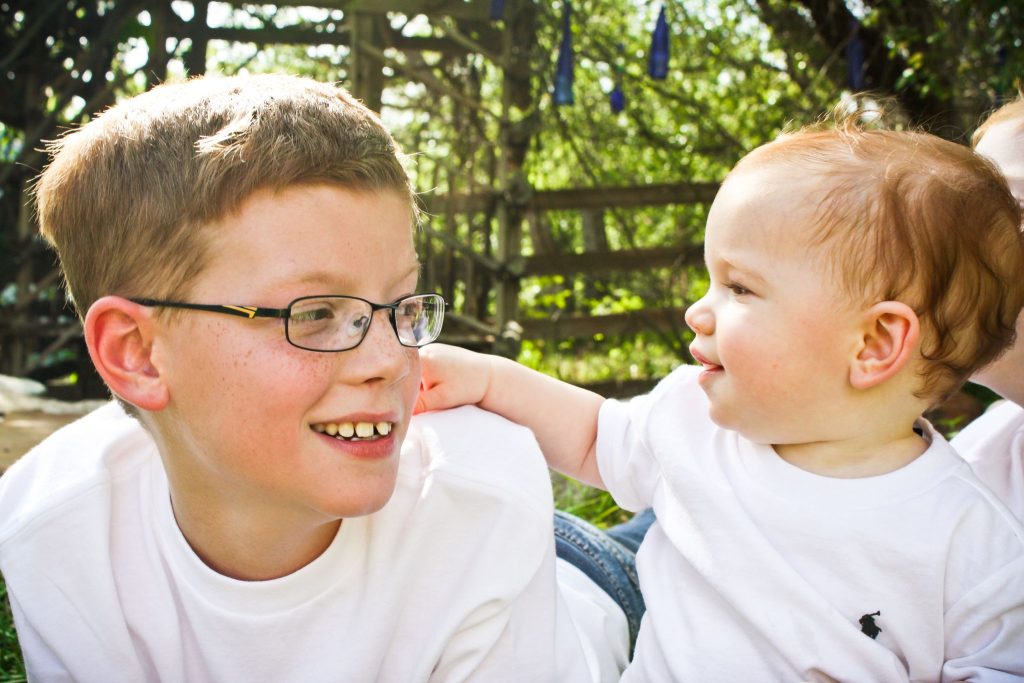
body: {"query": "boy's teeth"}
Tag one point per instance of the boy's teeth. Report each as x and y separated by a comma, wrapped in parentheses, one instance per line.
(348, 430)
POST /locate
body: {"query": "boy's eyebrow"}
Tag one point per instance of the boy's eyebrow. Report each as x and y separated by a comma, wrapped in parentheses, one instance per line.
(323, 277)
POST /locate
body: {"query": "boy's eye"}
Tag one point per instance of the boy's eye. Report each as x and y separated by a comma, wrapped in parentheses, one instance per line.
(311, 314)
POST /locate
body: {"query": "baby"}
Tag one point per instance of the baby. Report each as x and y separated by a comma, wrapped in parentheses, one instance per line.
(811, 524)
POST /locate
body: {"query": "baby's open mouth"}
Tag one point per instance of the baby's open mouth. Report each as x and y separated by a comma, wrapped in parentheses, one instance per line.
(353, 431)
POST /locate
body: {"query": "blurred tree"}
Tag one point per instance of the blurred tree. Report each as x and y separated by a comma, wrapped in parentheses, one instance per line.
(945, 61)
(59, 63)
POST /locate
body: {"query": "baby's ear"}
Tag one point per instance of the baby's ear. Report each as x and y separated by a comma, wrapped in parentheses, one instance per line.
(119, 335)
(890, 335)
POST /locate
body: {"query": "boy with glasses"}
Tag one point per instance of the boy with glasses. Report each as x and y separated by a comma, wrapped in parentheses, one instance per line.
(242, 253)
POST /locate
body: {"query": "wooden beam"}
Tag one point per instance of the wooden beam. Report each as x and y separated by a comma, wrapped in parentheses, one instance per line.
(584, 198)
(590, 263)
(615, 324)
(427, 44)
(615, 197)
(265, 36)
(300, 35)
(325, 4)
(458, 9)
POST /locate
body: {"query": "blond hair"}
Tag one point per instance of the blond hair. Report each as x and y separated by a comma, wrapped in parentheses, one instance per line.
(1008, 112)
(126, 197)
(907, 216)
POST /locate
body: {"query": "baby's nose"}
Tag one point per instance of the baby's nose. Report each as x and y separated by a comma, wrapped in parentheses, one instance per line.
(699, 317)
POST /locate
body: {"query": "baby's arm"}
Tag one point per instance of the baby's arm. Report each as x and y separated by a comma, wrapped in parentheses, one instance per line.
(563, 417)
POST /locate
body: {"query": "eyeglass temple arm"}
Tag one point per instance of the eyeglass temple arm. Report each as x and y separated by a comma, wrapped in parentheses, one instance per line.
(241, 311)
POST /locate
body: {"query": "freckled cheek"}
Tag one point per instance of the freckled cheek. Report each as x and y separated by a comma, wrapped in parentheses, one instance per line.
(276, 379)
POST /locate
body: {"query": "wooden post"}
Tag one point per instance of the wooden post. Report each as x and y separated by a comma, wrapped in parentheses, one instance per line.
(195, 60)
(156, 71)
(513, 188)
(18, 346)
(595, 240)
(365, 74)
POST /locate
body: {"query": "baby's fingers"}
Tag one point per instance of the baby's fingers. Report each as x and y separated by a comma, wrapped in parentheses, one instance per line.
(433, 398)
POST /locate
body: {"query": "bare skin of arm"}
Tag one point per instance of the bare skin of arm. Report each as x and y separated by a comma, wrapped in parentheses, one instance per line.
(563, 417)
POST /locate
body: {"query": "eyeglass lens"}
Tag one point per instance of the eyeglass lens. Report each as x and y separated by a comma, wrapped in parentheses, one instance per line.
(338, 323)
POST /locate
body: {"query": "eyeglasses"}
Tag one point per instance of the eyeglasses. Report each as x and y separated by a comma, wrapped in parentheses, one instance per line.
(338, 323)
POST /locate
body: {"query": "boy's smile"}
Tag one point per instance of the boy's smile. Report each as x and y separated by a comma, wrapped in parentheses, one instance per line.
(275, 441)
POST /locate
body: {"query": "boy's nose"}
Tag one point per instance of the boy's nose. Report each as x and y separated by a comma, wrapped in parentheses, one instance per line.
(380, 356)
(699, 317)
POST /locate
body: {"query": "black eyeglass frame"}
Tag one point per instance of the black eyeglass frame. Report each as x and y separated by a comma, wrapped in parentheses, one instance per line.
(285, 314)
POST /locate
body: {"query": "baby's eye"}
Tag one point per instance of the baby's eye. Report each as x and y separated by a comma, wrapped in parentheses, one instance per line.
(737, 289)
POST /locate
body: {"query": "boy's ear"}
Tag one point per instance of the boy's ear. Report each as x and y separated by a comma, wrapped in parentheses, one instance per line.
(119, 335)
(889, 342)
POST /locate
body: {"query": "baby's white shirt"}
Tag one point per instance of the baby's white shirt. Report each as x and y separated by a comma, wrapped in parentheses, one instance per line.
(757, 570)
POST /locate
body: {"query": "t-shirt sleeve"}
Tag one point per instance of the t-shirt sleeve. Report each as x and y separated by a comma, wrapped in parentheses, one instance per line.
(625, 460)
(511, 630)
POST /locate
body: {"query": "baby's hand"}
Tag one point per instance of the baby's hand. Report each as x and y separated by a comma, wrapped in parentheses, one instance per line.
(452, 377)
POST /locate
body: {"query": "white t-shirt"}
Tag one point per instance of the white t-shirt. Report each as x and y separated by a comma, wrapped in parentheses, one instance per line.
(757, 570)
(453, 580)
(994, 445)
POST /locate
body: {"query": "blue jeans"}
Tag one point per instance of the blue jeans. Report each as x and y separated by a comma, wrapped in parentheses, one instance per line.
(608, 558)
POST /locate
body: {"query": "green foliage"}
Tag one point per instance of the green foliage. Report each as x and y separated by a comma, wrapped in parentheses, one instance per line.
(12, 668)
(594, 505)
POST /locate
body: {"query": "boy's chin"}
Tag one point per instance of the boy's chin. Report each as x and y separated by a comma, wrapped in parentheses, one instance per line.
(372, 497)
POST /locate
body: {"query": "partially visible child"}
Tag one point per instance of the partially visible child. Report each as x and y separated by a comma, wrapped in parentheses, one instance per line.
(811, 525)
(994, 443)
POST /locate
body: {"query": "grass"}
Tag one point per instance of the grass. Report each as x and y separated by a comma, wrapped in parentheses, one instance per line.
(594, 505)
(12, 669)
(589, 503)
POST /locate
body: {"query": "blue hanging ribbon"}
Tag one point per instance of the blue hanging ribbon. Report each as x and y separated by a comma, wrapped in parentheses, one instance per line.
(657, 65)
(563, 71)
(617, 98)
(855, 58)
(497, 9)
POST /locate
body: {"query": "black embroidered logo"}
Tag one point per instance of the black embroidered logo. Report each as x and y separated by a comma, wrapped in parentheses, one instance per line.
(868, 626)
